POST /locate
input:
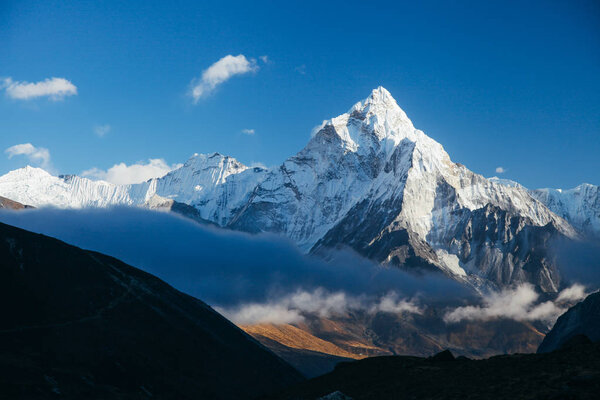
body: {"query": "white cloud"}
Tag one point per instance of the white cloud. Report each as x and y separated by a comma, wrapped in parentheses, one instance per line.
(248, 131)
(264, 59)
(53, 88)
(520, 303)
(254, 313)
(123, 174)
(317, 128)
(36, 155)
(220, 72)
(101, 130)
(319, 302)
(574, 293)
(392, 303)
(500, 170)
(301, 69)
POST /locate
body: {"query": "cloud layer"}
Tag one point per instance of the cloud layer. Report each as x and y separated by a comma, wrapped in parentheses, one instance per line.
(235, 270)
(53, 88)
(220, 72)
(123, 174)
(265, 278)
(520, 303)
(36, 155)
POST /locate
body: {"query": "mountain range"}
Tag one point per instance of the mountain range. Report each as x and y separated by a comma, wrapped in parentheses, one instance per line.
(367, 180)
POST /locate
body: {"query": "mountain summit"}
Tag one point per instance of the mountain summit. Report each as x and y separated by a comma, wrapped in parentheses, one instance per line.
(368, 180)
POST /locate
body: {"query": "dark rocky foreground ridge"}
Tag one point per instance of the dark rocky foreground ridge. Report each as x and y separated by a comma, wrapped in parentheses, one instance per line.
(581, 319)
(79, 324)
(572, 372)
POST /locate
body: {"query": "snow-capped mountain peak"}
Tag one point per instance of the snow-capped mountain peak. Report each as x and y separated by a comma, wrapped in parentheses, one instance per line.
(27, 172)
(368, 180)
(376, 123)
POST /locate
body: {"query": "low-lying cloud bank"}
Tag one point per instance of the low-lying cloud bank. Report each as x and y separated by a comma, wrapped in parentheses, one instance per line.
(265, 278)
(233, 269)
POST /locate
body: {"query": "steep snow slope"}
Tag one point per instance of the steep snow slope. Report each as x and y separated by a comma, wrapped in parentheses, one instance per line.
(580, 206)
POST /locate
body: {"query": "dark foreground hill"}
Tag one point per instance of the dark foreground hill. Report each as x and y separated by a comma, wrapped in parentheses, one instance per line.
(581, 319)
(79, 324)
(570, 373)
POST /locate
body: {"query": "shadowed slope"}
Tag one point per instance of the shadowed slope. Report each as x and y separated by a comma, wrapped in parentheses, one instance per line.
(572, 373)
(84, 325)
(581, 319)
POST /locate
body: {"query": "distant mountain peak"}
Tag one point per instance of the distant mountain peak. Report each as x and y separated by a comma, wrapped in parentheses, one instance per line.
(29, 171)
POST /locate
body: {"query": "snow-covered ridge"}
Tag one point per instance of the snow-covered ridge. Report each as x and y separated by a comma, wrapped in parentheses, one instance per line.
(580, 206)
(212, 182)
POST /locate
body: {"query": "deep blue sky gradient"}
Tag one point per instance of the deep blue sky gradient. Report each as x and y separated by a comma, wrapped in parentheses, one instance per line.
(499, 83)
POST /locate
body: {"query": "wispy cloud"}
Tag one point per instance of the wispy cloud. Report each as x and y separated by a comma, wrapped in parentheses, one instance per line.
(220, 72)
(248, 131)
(301, 69)
(264, 59)
(102, 130)
(123, 174)
(36, 155)
(500, 170)
(317, 128)
(294, 307)
(53, 88)
(519, 303)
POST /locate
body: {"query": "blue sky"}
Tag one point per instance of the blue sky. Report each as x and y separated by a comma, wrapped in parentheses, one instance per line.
(499, 84)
